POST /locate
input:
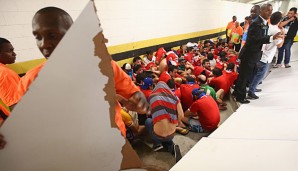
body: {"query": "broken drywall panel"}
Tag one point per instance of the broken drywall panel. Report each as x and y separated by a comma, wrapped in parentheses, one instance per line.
(63, 121)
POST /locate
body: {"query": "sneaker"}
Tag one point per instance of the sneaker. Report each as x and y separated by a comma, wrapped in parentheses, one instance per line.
(252, 96)
(243, 101)
(176, 152)
(287, 66)
(222, 107)
(157, 147)
(258, 90)
(277, 66)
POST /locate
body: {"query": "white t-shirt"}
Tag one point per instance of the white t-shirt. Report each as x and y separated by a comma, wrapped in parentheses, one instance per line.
(270, 49)
(147, 61)
(212, 63)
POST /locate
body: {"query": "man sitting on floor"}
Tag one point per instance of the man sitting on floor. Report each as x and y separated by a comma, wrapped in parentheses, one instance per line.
(166, 112)
(206, 109)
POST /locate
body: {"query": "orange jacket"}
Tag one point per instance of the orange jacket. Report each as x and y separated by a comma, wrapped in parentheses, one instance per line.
(9, 81)
(27, 79)
(126, 88)
(236, 34)
(229, 27)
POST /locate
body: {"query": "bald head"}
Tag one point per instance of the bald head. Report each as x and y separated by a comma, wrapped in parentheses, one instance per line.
(202, 79)
(266, 11)
(237, 24)
(49, 25)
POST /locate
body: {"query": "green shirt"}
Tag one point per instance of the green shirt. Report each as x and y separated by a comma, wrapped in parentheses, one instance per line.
(209, 91)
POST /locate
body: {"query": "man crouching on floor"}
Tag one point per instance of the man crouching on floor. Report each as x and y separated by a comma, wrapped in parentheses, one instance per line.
(166, 112)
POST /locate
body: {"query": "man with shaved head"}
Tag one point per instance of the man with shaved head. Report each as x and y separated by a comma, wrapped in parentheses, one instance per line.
(251, 53)
(254, 13)
(49, 25)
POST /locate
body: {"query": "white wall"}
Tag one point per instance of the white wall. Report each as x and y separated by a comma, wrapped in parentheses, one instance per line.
(123, 21)
(292, 3)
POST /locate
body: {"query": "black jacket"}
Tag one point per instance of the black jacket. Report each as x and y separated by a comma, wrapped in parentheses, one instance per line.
(293, 28)
(251, 52)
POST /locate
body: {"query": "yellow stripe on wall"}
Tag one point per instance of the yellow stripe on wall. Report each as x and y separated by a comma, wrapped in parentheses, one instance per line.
(296, 39)
(23, 67)
(4, 105)
(151, 42)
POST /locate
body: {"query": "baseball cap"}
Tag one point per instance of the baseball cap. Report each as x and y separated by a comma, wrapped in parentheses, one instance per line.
(127, 67)
(147, 82)
(197, 92)
(189, 44)
(171, 59)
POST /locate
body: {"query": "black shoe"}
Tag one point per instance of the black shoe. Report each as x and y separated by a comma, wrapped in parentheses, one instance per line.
(287, 66)
(252, 96)
(176, 152)
(244, 101)
(258, 90)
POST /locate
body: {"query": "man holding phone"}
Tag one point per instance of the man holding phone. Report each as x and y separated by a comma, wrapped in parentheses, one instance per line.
(290, 24)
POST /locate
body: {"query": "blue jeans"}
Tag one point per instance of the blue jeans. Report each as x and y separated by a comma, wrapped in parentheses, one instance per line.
(286, 47)
(166, 142)
(258, 76)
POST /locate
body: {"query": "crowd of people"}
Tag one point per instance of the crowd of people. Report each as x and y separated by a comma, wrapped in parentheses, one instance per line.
(170, 90)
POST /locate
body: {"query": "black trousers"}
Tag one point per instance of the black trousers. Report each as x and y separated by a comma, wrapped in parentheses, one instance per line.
(246, 71)
(237, 47)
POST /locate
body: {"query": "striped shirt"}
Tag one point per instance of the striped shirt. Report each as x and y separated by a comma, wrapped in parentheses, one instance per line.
(163, 103)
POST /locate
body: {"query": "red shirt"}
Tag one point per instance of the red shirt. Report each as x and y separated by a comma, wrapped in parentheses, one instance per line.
(186, 95)
(196, 62)
(230, 76)
(217, 50)
(177, 92)
(146, 93)
(208, 112)
(198, 70)
(159, 54)
(150, 65)
(219, 64)
(233, 58)
(164, 76)
(220, 82)
(189, 57)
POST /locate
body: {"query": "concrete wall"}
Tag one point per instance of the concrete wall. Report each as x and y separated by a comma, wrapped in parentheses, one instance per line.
(123, 21)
